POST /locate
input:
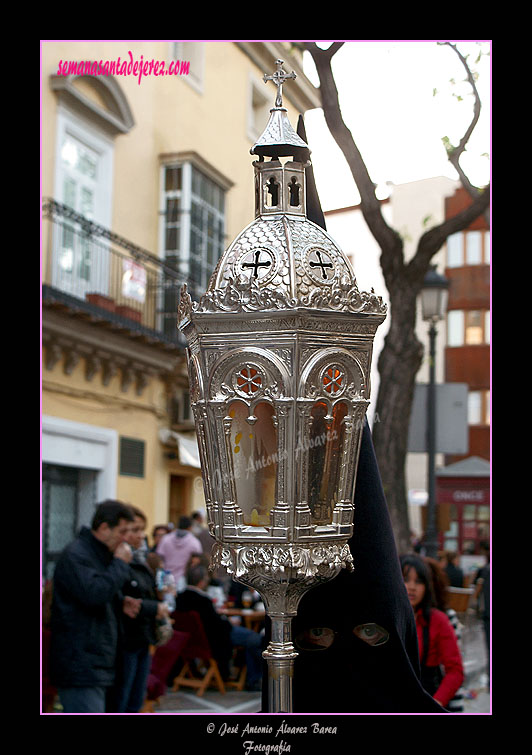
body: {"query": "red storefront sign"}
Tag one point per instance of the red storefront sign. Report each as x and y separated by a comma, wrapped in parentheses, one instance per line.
(465, 502)
(458, 491)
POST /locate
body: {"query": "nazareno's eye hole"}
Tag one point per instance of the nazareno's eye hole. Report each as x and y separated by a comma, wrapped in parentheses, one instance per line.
(372, 634)
(316, 638)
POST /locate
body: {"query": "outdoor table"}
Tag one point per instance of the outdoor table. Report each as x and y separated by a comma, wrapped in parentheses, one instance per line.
(251, 619)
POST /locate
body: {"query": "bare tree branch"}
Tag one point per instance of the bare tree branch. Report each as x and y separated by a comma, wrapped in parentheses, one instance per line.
(455, 154)
(433, 239)
(401, 355)
(388, 239)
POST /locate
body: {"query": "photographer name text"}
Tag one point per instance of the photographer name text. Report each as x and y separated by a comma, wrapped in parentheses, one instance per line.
(250, 746)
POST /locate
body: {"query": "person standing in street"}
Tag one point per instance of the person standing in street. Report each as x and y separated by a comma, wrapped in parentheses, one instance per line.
(139, 632)
(450, 564)
(87, 608)
(442, 672)
(176, 548)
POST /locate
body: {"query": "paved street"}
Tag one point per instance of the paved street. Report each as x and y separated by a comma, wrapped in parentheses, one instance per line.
(477, 698)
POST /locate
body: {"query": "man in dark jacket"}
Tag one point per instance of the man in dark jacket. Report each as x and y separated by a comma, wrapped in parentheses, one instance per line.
(134, 659)
(86, 609)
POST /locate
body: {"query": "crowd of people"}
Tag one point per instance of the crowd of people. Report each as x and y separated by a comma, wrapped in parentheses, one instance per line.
(109, 604)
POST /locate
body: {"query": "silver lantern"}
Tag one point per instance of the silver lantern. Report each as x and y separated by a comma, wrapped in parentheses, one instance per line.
(279, 356)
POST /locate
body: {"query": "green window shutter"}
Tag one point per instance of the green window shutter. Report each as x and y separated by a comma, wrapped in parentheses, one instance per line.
(132, 457)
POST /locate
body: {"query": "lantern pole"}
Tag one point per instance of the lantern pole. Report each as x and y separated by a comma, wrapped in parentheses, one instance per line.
(280, 655)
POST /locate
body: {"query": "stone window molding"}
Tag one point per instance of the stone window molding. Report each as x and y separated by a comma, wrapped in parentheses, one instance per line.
(116, 118)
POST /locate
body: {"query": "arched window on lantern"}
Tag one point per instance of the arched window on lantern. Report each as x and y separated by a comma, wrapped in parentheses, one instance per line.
(254, 454)
(326, 442)
(294, 190)
(272, 192)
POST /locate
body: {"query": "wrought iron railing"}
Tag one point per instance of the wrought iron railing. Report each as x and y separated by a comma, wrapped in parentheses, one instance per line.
(87, 262)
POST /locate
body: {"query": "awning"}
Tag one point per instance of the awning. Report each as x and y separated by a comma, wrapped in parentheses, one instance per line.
(188, 451)
(187, 446)
(473, 466)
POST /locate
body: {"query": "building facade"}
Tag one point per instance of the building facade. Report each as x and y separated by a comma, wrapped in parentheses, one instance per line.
(139, 195)
(467, 351)
(463, 484)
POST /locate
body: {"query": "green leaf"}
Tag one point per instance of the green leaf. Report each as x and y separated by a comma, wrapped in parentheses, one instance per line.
(449, 148)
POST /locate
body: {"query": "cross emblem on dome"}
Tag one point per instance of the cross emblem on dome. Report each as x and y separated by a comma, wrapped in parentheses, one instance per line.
(257, 263)
(279, 77)
(322, 260)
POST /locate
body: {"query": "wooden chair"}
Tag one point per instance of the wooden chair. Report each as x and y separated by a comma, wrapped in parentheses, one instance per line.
(48, 691)
(238, 680)
(458, 598)
(197, 648)
(163, 660)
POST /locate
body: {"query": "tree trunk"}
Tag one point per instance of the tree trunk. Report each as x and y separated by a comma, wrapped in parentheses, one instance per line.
(402, 354)
(399, 362)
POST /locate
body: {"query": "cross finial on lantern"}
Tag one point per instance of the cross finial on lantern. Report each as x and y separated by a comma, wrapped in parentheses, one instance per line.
(279, 77)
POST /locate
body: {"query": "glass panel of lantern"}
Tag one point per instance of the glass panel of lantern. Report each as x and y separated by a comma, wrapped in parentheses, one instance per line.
(327, 434)
(254, 454)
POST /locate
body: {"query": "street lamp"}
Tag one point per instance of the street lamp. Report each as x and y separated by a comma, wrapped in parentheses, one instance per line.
(279, 358)
(434, 296)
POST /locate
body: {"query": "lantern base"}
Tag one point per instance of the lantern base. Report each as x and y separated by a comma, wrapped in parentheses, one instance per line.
(281, 574)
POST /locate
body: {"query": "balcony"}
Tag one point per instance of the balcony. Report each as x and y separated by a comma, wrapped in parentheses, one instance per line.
(101, 276)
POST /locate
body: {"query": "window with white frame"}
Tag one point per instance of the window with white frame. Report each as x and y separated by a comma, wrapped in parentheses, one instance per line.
(258, 109)
(478, 407)
(455, 246)
(192, 224)
(455, 328)
(83, 182)
(192, 52)
(468, 248)
(179, 409)
(468, 327)
(473, 250)
(207, 227)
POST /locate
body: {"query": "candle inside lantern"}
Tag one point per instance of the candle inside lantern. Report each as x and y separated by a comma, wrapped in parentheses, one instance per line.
(255, 457)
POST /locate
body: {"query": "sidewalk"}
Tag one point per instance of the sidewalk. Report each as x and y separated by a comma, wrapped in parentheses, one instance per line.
(477, 697)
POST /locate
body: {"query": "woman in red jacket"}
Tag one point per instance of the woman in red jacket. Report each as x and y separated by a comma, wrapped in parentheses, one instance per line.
(442, 671)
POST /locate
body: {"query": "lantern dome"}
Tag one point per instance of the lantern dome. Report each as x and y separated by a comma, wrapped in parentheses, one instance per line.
(282, 260)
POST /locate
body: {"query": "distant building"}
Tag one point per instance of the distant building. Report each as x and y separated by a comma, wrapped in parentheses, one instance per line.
(463, 343)
(463, 485)
(467, 350)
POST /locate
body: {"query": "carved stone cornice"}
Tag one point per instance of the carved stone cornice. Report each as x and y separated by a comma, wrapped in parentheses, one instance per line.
(106, 354)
